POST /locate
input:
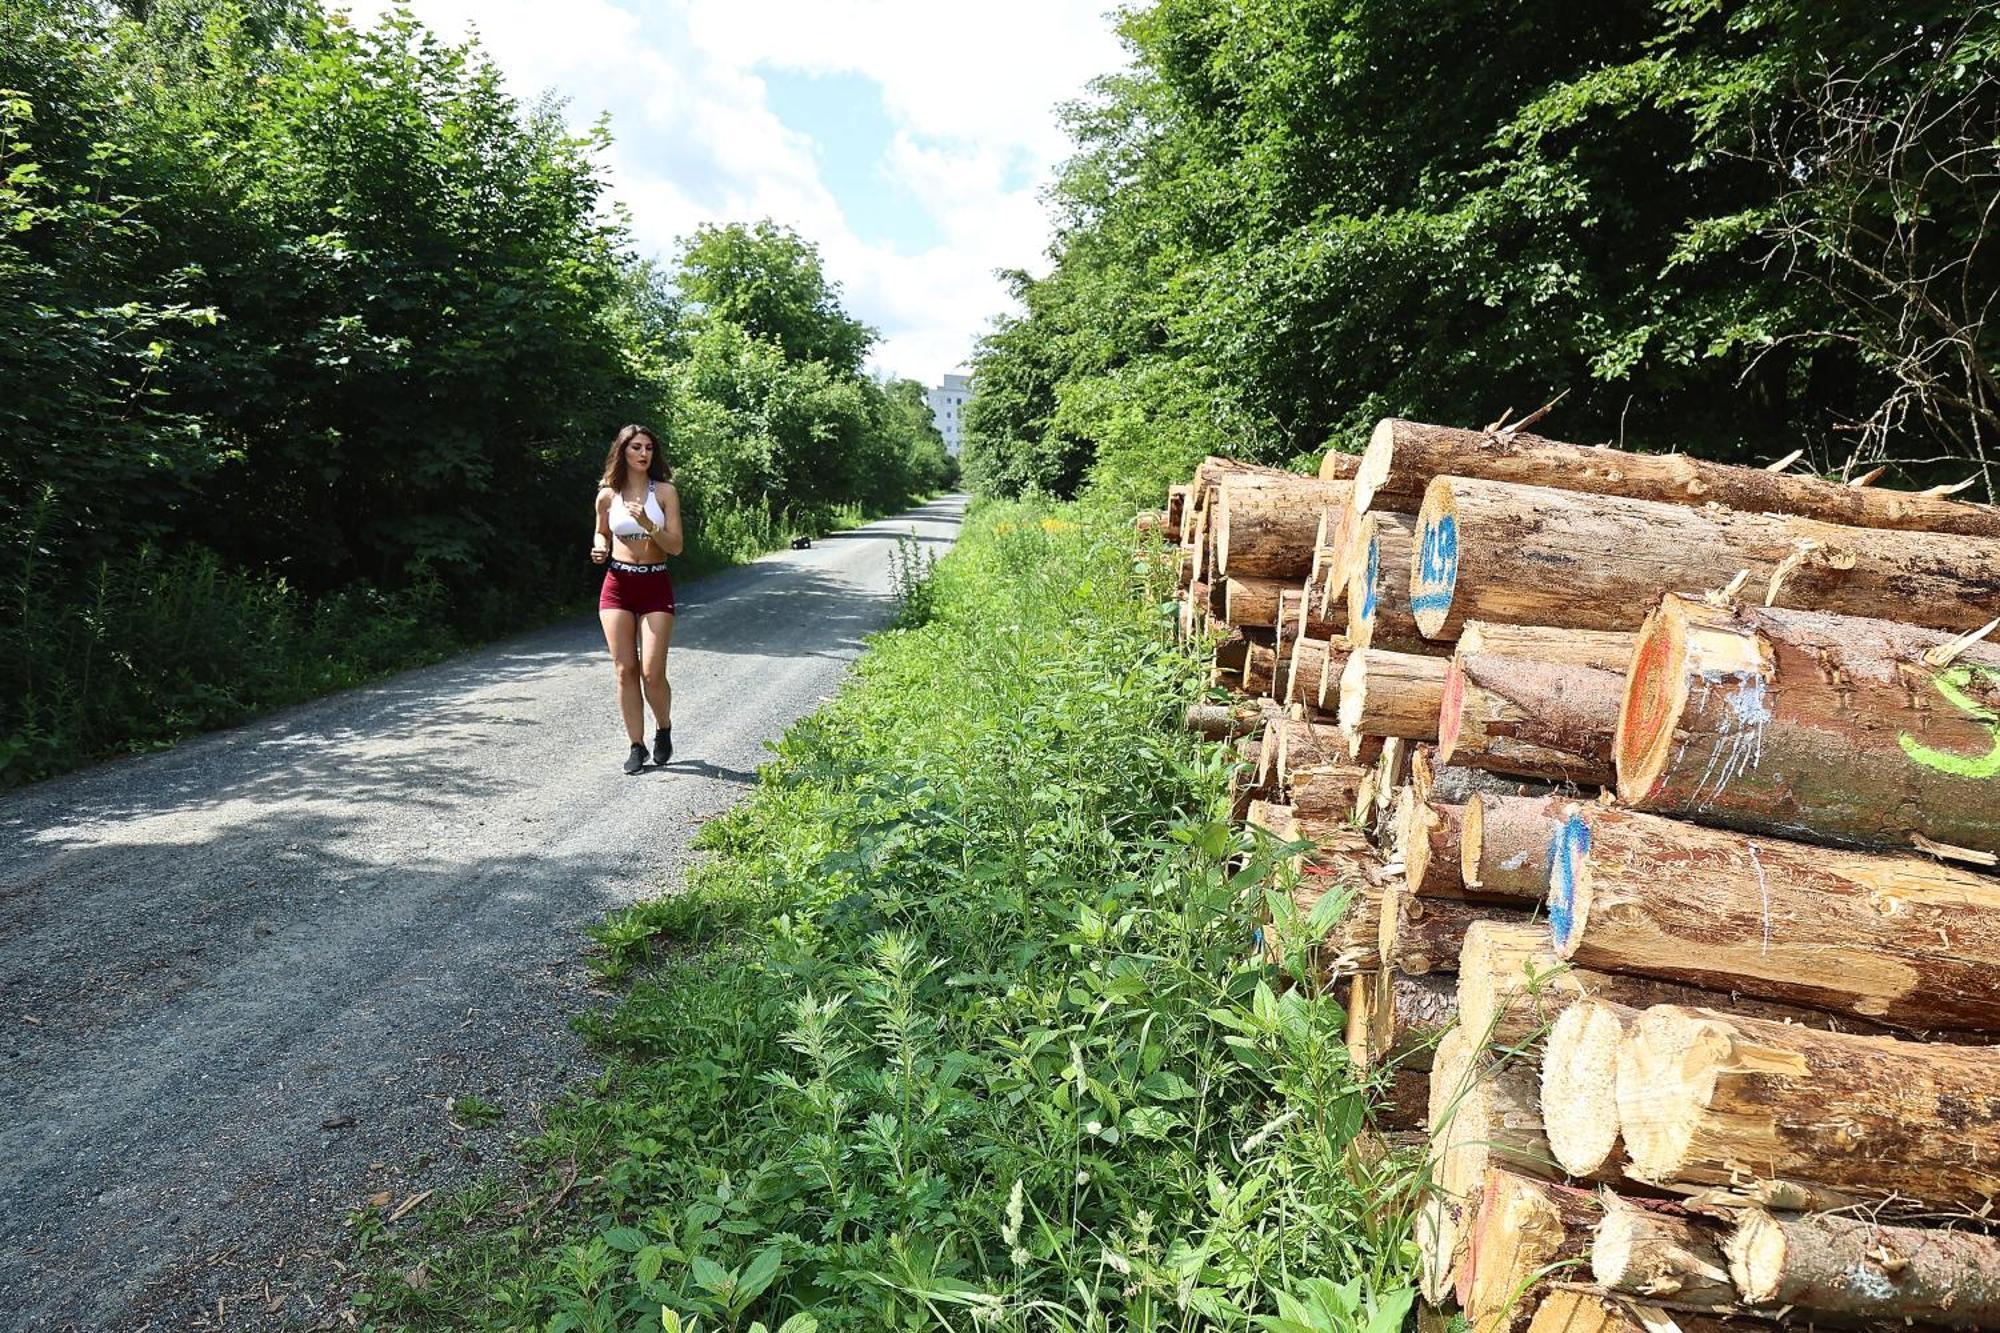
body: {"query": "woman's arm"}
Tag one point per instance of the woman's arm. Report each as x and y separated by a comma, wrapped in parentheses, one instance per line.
(600, 538)
(670, 539)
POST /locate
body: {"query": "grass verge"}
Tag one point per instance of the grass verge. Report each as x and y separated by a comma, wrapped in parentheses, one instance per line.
(959, 1026)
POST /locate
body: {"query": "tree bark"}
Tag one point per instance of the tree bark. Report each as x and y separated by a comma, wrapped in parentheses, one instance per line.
(1326, 791)
(1378, 587)
(1706, 1097)
(1899, 939)
(1522, 1231)
(1846, 1269)
(1304, 744)
(1527, 555)
(1408, 1015)
(1268, 531)
(1385, 693)
(1403, 456)
(1399, 1099)
(1504, 844)
(1338, 465)
(1221, 722)
(1651, 1253)
(1835, 728)
(1259, 665)
(1532, 718)
(1309, 664)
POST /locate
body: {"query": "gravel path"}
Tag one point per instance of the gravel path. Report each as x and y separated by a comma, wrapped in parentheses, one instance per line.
(240, 980)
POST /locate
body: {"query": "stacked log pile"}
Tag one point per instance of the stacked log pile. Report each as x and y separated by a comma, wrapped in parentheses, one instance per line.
(1663, 797)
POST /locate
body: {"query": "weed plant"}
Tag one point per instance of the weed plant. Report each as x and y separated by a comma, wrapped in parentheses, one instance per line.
(960, 1026)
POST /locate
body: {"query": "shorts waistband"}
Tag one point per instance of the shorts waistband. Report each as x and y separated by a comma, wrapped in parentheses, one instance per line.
(627, 567)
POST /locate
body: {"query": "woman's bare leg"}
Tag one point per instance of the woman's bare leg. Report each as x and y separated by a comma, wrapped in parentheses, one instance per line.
(621, 633)
(657, 635)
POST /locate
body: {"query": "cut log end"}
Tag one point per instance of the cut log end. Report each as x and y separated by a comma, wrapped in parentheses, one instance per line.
(1667, 1072)
(1579, 1086)
(1756, 1253)
(1655, 694)
(1569, 883)
(1434, 560)
(1376, 461)
(1451, 712)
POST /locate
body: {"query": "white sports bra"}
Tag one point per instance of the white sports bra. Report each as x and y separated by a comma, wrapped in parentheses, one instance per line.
(624, 525)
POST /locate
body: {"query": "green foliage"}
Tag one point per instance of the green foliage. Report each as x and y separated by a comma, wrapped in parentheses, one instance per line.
(961, 1025)
(306, 325)
(1289, 218)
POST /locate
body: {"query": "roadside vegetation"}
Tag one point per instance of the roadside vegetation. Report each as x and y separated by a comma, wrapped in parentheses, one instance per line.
(312, 341)
(959, 1025)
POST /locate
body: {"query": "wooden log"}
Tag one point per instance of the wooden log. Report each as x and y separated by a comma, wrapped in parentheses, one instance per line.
(1243, 788)
(1281, 636)
(1572, 1310)
(1399, 1099)
(1532, 718)
(1504, 844)
(1253, 601)
(1832, 727)
(1339, 465)
(1407, 1016)
(1344, 531)
(1490, 550)
(1385, 693)
(1424, 935)
(1580, 1084)
(1302, 682)
(1522, 1231)
(1603, 649)
(1269, 531)
(1649, 1252)
(1849, 1269)
(1494, 1120)
(1428, 833)
(1305, 744)
(1260, 665)
(1326, 791)
(1359, 993)
(1221, 722)
(1378, 587)
(1440, 1237)
(1176, 511)
(1706, 1098)
(1403, 456)
(1444, 1219)
(1899, 939)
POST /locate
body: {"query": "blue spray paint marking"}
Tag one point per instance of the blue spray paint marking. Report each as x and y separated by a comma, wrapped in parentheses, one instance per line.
(1567, 850)
(1437, 566)
(1368, 590)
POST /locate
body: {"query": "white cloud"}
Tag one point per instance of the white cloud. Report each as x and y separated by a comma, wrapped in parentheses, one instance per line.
(971, 89)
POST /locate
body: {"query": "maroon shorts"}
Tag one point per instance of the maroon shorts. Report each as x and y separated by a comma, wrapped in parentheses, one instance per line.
(640, 589)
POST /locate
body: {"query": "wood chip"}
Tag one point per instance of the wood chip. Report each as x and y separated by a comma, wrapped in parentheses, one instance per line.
(1944, 653)
(408, 1204)
(1939, 492)
(1868, 478)
(1785, 462)
(1946, 851)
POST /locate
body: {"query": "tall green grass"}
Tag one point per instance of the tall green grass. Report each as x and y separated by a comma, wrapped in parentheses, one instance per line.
(959, 1026)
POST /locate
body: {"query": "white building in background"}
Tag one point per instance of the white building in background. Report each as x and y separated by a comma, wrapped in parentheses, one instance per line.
(948, 409)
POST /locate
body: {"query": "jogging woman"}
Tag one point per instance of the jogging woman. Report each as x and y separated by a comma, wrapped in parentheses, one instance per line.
(638, 525)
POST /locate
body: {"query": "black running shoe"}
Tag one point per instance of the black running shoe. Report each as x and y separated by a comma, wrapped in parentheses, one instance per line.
(637, 759)
(663, 745)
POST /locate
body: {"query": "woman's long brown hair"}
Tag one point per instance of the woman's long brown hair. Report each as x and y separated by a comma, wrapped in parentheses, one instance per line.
(614, 462)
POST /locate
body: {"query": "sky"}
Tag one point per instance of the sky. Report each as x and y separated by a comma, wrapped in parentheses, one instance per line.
(909, 139)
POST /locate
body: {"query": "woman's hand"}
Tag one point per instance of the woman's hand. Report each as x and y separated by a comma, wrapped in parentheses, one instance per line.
(600, 549)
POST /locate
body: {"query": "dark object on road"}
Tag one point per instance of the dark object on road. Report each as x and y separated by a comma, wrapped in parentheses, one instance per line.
(801, 542)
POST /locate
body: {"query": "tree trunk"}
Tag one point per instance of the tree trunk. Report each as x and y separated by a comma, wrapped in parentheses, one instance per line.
(1403, 456)
(1253, 601)
(1899, 939)
(1408, 1015)
(1831, 727)
(1489, 550)
(1847, 1269)
(1309, 662)
(1423, 935)
(1522, 1231)
(1706, 1097)
(1504, 844)
(1532, 718)
(1221, 722)
(1651, 1253)
(1428, 833)
(1259, 664)
(1602, 649)
(1385, 693)
(1378, 587)
(1268, 531)
(1567, 1310)
(1339, 466)
(1326, 791)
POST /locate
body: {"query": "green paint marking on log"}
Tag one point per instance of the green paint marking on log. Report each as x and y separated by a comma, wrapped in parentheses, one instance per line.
(1952, 683)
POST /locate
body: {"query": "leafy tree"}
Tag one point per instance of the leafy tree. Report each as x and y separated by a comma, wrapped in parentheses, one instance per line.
(768, 279)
